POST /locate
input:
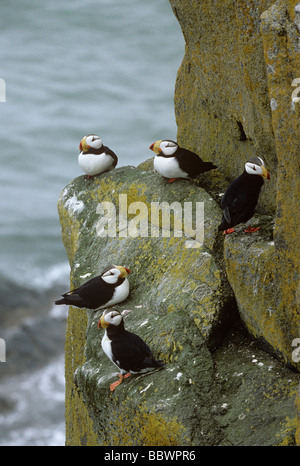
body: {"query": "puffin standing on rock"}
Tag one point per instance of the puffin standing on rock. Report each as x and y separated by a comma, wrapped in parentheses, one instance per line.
(125, 349)
(94, 157)
(241, 197)
(172, 161)
(105, 290)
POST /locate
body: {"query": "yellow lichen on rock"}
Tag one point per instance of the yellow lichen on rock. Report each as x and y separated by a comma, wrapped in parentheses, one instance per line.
(141, 426)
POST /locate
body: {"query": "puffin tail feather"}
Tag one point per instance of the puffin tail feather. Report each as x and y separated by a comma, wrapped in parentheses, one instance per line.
(60, 301)
(209, 166)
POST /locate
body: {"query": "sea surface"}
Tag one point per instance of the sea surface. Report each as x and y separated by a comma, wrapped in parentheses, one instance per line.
(70, 69)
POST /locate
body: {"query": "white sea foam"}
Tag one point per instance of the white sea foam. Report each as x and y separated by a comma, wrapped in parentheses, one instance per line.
(38, 415)
(54, 275)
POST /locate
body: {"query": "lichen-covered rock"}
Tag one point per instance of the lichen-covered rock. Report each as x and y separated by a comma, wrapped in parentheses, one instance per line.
(233, 99)
(182, 306)
(256, 395)
(221, 96)
(280, 32)
(180, 301)
(252, 273)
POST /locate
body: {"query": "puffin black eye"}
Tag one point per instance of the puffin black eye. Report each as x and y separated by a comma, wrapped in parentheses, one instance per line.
(254, 168)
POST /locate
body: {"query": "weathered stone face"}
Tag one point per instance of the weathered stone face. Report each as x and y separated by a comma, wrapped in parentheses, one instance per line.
(221, 96)
(233, 99)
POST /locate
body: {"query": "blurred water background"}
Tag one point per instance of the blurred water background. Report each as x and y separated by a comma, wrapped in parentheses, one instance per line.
(71, 68)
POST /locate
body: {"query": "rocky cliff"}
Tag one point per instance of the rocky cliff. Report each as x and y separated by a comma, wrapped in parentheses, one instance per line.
(222, 314)
(233, 99)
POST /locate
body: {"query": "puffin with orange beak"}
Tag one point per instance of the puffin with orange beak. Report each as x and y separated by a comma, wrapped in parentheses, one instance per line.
(105, 290)
(94, 157)
(173, 162)
(241, 197)
(125, 349)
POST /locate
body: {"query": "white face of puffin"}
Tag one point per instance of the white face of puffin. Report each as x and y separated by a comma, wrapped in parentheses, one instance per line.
(112, 275)
(112, 317)
(164, 146)
(256, 166)
(168, 147)
(92, 140)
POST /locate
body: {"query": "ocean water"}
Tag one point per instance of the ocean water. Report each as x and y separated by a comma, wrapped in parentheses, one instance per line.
(70, 68)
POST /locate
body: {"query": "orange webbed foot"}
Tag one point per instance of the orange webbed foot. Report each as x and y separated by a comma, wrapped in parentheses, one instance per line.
(229, 231)
(170, 180)
(115, 384)
(251, 229)
(118, 382)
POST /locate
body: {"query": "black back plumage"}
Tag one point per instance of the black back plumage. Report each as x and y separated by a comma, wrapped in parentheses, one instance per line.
(191, 163)
(130, 352)
(240, 200)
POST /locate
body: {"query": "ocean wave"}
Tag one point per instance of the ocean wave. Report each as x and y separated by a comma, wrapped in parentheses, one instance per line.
(55, 275)
(33, 286)
(37, 402)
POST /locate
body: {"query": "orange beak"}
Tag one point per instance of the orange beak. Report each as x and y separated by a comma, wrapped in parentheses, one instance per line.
(102, 323)
(83, 146)
(155, 146)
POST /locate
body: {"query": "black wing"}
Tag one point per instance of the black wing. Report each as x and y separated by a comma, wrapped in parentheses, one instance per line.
(92, 294)
(239, 201)
(192, 164)
(134, 353)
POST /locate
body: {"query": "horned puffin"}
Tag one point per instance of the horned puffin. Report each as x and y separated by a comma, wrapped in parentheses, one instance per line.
(95, 158)
(125, 349)
(172, 161)
(105, 290)
(241, 197)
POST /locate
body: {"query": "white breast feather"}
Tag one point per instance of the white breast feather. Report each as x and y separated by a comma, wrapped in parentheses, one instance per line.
(168, 167)
(120, 294)
(93, 164)
(106, 346)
